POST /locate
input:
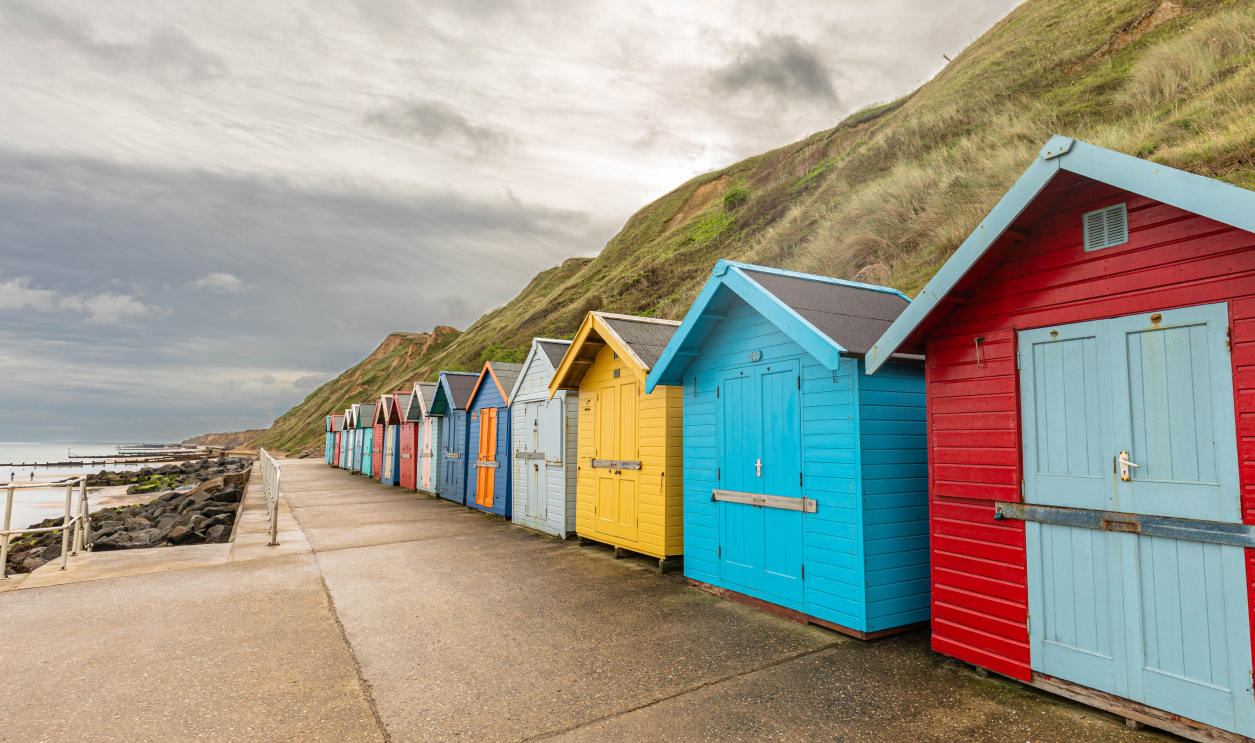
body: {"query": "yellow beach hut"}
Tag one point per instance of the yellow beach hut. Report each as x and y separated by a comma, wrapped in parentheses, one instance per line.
(630, 467)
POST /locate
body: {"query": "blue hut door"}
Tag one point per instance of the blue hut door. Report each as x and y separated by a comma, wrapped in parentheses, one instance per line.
(454, 422)
(1157, 620)
(761, 453)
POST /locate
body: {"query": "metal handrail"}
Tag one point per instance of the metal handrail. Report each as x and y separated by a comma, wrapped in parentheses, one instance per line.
(270, 473)
(80, 522)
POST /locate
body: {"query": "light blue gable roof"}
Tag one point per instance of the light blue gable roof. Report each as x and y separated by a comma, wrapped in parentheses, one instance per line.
(1194, 193)
(738, 278)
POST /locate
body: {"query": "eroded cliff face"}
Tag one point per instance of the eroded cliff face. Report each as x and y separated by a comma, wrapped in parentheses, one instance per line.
(229, 440)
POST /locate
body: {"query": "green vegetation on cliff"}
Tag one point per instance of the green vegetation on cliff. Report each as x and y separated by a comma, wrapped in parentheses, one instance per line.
(893, 190)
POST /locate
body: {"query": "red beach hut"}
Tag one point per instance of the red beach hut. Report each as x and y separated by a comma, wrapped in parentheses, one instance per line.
(337, 425)
(378, 431)
(409, 444)
(1090, 371)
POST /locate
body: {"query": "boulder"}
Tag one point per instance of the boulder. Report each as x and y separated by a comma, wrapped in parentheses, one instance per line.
(195, 522)
(184, 535)
(33, 563)
(138, 524)
(218, 533)
(168, 521)
(215, 509)
(118, 541)
(229, 494)
(223, 518)
(114, 524)
(145, 538)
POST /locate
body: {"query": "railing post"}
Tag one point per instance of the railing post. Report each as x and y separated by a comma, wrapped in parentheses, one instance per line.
(274, 511)
(4, 536)
(65, 528)
(85, 508)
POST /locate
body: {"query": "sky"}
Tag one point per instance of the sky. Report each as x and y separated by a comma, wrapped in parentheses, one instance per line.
(209, 209)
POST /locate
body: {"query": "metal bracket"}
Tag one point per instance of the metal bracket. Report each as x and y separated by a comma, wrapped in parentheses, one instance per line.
(487, 464)
(529, 455)
(453, 455)
(1193, 530)
(614, 464)
(784, 502)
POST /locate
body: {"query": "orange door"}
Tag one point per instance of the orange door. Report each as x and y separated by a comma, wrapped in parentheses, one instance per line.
(487, 453)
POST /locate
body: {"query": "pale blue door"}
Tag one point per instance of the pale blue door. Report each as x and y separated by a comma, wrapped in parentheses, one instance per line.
(1175, 418)
(740, 524)
(1177, 609)
(1075, 575)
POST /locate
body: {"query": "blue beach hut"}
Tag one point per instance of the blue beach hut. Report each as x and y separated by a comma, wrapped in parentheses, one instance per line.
(488, 434)
(346, 440)
(453, 390)
(329, 453)
(355, 448)
(365, 427)
(805, 479)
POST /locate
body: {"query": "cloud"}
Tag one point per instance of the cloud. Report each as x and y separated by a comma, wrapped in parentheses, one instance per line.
(105, 308)
(310, 381)
(167, 52)
(218, 283)
(781, 66)
(435, 121)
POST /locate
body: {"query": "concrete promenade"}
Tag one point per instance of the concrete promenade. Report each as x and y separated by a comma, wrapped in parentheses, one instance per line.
(386, 615)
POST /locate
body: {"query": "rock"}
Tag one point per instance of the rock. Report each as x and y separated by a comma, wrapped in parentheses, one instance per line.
(223, 518)
(185, 504)
(216, 509)
(112, 524)
(230, 494)
(169, 495)
(146, 537)
(217, 534)
(168, 521)
(118, 541)
(184, 535)
(51, 552)
(138, 524)
(33, 563)
(98, 534)
(195, 522)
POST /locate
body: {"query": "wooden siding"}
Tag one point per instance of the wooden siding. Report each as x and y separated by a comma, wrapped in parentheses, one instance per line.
(376, 447)
(434, 449)
(1173, 259)
(560, 480)
(866, 546)
(894, 453)
(489, 396)
(660, 505)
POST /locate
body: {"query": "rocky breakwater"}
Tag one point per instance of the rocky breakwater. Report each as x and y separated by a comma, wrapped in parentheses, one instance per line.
(193, 513)
(168, 477)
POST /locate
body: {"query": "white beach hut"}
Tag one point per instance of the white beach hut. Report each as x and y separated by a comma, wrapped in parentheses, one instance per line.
(543, 437)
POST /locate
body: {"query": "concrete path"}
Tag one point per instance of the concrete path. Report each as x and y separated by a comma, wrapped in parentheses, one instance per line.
(407, 618)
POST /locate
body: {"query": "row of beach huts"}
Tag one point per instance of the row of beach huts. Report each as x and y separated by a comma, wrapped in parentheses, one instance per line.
(1048, 455)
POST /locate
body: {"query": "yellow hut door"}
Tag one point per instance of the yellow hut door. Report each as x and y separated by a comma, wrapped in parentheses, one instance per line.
(627, 516)
(617, 442)
(487, 476)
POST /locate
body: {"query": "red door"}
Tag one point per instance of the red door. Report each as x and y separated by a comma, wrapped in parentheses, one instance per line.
(377, 461)
(409, 455)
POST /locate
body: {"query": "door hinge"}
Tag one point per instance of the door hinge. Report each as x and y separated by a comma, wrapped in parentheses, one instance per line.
(799, 479)
(1228, 339)
(718, 473)
(803, 572)
(721, 550)
(1021, 487)
(716, 392)
(1028, 625)
(799, 381)
(1017, 359)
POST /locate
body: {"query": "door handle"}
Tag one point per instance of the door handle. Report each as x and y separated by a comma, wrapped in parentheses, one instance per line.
(758, 467)
(1123, 461)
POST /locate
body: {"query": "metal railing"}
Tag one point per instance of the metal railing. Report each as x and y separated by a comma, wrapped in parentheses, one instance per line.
(80, 522)
(270, 473)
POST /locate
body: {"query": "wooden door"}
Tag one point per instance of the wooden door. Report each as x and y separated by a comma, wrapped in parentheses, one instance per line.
(740, 450)
(486, 477)
(368, 450)
(1157, 620)
(425, 471)
(627, 486)
(780, 405)
(535, 420)
(452, 467)
(604, 433)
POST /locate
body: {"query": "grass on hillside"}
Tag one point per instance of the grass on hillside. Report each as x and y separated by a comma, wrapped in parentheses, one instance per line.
(897, 186)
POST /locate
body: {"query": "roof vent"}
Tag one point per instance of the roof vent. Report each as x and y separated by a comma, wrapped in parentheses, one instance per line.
(1106, 227)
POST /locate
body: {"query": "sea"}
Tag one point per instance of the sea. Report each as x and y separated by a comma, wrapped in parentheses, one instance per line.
(32, 505)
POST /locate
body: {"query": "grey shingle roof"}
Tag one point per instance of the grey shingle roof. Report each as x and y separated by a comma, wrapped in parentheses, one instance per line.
(646, 337)
(428, 392)
(554, 350)
(507, 375)
(461, 384)
(852, 316)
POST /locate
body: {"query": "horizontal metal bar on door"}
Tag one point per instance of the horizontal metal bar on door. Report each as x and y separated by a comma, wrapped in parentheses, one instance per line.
(453, 456)
(487, 464)
(614, 464)
(1193, 530)
(407, 456)
(787, 503)
(529, 455)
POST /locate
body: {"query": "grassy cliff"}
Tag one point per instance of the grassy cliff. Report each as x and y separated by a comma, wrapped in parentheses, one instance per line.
(889, 193)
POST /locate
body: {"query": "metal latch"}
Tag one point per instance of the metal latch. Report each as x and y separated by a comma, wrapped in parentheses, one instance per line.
(1123, 461)
(758, 467)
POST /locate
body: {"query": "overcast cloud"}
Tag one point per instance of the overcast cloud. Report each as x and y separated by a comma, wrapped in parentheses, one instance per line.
(209, 209)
